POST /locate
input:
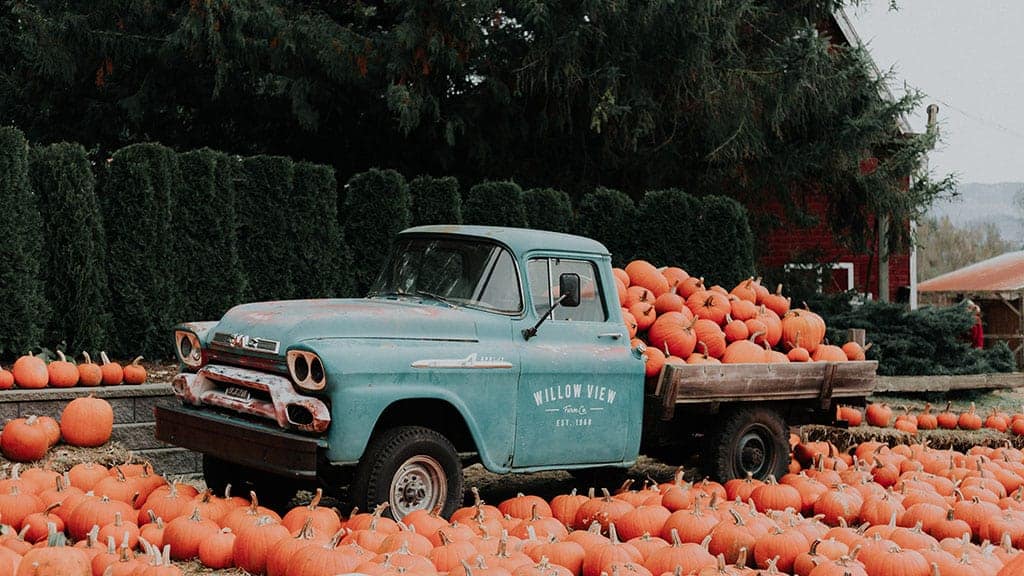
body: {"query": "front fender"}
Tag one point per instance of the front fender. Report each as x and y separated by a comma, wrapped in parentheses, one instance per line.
(365, 377)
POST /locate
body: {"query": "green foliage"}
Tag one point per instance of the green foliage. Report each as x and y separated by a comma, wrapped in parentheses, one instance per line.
(707, 236)
(611, 218)
(943, 247)
(928, 341)
(23, 307)
(772, 106)
(725, 243)
(142, 266)
(205, 216)
(265, 227)
(378, 208)
(495, 204)
(320, 255)
(548, 209)
(435, 200)
(75, 275)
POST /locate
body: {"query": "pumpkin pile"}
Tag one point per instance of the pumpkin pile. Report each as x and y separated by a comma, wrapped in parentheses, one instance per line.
(881, 415)
(85, 422)
(679, 320)
(876, 511)
(33, 372)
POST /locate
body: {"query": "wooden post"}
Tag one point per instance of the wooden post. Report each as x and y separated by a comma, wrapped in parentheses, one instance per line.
(857, 335)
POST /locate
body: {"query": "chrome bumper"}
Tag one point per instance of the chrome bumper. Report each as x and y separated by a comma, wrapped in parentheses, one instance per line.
(288, 408)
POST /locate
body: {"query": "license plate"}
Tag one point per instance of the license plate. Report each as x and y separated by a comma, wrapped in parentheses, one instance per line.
(238, 393)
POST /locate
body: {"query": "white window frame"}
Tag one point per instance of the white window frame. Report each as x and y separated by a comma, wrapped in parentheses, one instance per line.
(848, 266)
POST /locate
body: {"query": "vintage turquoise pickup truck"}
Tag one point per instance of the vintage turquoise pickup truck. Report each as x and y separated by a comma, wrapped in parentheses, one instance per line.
(477, 344)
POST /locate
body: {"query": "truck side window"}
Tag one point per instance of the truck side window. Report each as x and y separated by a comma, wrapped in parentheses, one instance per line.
(544, 274)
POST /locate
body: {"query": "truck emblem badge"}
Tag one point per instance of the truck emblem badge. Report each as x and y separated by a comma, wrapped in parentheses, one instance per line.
(473, 361)
(239, 340)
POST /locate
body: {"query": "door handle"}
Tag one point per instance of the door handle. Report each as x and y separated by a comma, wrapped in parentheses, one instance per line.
(612, 335)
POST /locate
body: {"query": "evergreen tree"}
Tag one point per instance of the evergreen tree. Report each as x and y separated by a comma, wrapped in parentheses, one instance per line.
(266, 212)
(320, 252)
(495, 204)
(638, 96)
(205, 234)
(75, 276)
(378, 208)
(548, 209)
(724, 242)
(142, 266)
(435, 200)
(610, 217)
(23, 307)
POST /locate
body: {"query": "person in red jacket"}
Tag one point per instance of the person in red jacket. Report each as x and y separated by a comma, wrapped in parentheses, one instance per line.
(977, 330)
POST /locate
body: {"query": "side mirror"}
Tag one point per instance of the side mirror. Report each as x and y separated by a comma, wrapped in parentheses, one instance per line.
(569, 289)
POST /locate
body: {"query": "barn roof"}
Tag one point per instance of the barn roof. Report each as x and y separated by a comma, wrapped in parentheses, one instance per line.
(1003, 273)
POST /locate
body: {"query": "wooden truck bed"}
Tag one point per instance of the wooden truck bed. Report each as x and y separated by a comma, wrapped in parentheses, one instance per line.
(702, 383)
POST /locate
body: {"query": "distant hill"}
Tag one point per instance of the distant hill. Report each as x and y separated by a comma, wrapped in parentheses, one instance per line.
(983, 203)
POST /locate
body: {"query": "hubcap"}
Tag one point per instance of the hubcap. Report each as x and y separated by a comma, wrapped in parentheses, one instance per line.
(754, 453)
(419, 484)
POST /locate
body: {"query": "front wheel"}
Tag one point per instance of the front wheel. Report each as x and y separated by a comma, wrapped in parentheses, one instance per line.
(410, 468)
(752, 441)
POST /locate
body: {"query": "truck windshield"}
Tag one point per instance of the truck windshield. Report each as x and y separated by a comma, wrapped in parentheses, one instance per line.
(455, 271)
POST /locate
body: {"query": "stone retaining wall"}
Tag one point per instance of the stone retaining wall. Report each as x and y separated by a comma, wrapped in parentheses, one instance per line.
(134, 426)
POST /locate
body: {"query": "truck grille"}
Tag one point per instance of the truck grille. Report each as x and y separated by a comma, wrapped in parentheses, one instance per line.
(245, 342)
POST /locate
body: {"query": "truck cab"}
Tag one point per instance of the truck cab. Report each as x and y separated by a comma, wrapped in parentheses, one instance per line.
(499, 345)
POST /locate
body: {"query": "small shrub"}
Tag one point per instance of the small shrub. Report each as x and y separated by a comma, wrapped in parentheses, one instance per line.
(378, 207)
(495, 204)
(23, 308)
(435, 201)
(610, 217)
(548, 209)
(75, 276)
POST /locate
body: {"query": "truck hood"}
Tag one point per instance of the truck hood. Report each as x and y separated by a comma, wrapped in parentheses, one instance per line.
(292, 321)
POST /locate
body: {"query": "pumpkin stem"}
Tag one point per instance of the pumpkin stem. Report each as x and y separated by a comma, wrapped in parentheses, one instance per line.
(316, 499)
(136, 361)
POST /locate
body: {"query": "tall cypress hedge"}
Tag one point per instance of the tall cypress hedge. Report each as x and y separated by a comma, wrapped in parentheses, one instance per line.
(377, 208)
(142, 263)
(319, 249)
(708, 236)
(23, 309)
(495, 204)
(549, 209)
(211, 275)
(265, 227)
(610, 217)
(75, 274)
(725, 243)
(435, 200)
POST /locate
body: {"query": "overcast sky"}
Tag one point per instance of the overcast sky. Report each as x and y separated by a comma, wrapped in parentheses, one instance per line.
(968, 57)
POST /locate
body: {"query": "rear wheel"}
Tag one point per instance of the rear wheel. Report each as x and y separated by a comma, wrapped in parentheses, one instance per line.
(748, 441)
(410, 468)
(273, 491)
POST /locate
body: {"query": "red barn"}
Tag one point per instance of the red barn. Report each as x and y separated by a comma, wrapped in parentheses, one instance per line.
(882, 276)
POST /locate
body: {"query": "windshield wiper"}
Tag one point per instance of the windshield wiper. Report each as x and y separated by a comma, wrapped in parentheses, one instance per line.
(386, 293)
(433, 296)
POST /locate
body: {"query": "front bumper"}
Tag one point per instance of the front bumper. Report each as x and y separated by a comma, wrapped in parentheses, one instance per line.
(265, 395)
(233, 439)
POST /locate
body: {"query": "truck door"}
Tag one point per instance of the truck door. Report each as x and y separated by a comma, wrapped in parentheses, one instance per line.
(580, 388)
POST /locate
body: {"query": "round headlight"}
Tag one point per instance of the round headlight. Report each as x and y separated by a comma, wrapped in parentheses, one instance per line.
(301, 368)
(185, 347)
(316, 370)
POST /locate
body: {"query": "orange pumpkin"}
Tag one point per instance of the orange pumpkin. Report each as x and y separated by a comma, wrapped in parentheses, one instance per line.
(62, 374)
(87, 422)
(643, 273)
(135, 373)
(6, 380)
(89, 374)
(113, 374)
(24, 440)
(30, 372)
